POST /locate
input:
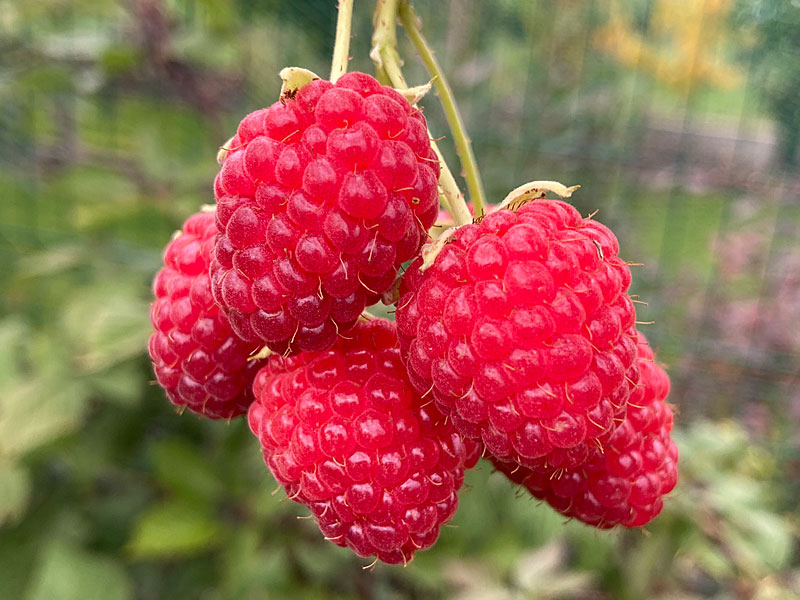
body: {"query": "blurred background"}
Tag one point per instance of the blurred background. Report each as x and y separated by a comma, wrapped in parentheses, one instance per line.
(680, 119)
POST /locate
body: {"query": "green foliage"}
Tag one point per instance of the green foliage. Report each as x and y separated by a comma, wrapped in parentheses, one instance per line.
(776, 52)
(173, 530)
(68, 573)
(106, 493)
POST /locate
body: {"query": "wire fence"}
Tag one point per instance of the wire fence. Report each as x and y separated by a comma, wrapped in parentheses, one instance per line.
(680, 121)
(128, 101)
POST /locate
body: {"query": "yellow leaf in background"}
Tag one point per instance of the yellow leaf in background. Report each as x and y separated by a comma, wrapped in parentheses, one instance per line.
(683, 48)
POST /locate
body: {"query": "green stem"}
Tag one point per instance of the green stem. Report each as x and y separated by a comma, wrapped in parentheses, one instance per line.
(341, 47)
(384, 42)
(412, 25)
(388, 63)
(453, 198)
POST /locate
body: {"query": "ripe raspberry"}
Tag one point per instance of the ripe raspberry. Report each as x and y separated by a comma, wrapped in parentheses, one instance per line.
(197, 359)
(319, 201)
(624, 483)
(522, 331)
(345, 434)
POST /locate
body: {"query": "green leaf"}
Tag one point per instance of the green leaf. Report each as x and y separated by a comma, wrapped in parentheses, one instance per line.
(37, 412)
(764, 539)
(179, 466)
(12, 331)
(15, 487)
(69, 573)
(51, 261)
(120, 59)
(173, 529)
(20, 547)
(108, 326)
(121, 385)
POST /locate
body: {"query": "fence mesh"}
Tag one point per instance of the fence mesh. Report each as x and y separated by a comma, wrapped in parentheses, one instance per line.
(679, 120)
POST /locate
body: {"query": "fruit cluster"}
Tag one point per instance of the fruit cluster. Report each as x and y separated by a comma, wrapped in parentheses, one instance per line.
(515, 338)
(320, 199)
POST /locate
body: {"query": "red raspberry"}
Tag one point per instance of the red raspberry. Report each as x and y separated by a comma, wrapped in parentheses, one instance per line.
(319, 201)
(521, 330)
(346, 435)
(624, 483)
(197, 359)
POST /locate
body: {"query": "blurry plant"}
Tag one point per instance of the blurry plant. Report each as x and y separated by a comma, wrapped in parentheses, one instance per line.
(533, 91)
(776, 25)
(104, 492)
(758, 317)
(721, 533)
(737, 535)
(540, 574)
(757, 308)
(682, 48)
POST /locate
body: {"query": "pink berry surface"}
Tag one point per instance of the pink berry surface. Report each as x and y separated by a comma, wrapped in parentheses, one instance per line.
(345, 434)
(320, 198)
(198, 360)
(622, 484)
(522, 332)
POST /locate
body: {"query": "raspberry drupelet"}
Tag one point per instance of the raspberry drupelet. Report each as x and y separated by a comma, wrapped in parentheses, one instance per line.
(320, 198)
(345, 434)
(624, 484)
(523, 333)
(197, 358)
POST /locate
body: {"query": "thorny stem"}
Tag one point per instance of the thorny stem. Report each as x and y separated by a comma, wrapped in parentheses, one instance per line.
(341, 47)
(388, 64)
(412, 25)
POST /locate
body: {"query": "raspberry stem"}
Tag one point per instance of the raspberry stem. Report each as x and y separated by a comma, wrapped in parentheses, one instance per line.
(341, 47)
(388, 64)
(413, 27)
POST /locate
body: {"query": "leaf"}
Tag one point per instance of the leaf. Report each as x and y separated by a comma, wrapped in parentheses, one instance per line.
(69, 573)
(171, 530)
(121, 384)
(765, 539)
(39, 411)
(107, 327)
(51, 261)
(120, 59)
(249, 565)
(534, 566)
(12, 332)
(179, 466)
(19, 549)
(15, 487)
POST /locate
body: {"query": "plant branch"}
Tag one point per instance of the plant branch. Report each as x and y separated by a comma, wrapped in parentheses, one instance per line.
(388, 63)
(463, 144)
(453, 198)
(341, 47)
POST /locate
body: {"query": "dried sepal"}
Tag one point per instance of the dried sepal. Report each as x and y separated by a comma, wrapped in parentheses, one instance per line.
(533, 190)
(223, 151)
(416, 93)
(431, 251)
(295, 78)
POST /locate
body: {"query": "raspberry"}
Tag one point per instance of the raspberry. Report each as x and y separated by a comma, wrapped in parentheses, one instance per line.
(197, 359)
(346, 435)
(624, 483)
(522, 332)
(319, 201)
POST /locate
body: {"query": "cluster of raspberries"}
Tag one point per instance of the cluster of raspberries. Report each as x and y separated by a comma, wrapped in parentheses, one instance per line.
(518, 343)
